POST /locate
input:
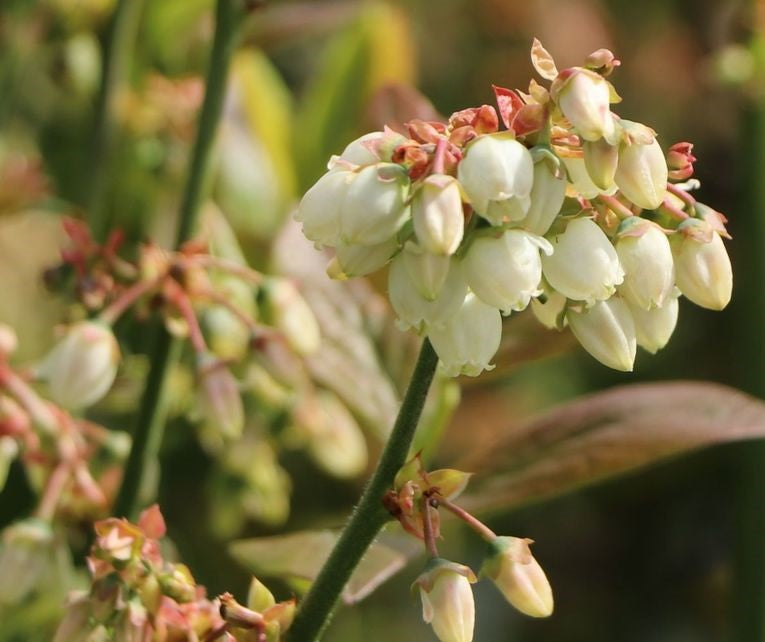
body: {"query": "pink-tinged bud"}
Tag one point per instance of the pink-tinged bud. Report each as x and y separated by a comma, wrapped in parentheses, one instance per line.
(437, 214)
(8, 341)
(375, 205)
(551, 312)
(547, 195)
(427, 271)
(653, 328)
(27, 556)
(580, 180)
(447, 600)
(680, 161)
(505, 271)
(220, 403)
(607, 332)
(600, 160)
(519, 576)
(288, 311)
(584, 98)
(413, 309)
(641, 173)
(468, 341)
(646, 257)
(81, 367)
(359, 260)
(319, 210)
(359, 152)
(497, 174)
(702, 266)
(584, 265)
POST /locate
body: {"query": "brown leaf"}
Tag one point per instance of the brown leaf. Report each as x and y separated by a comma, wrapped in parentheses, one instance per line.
(611, 433)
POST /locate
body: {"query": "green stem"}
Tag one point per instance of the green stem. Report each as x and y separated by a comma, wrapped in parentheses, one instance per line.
(147, 436)
(117, 50)
(369, 516)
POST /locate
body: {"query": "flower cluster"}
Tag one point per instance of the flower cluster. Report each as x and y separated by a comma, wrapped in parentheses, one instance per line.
(444, 586)
(137, 595)
(570, 208)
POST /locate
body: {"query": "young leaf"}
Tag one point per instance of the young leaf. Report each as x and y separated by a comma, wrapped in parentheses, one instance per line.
(608, 434)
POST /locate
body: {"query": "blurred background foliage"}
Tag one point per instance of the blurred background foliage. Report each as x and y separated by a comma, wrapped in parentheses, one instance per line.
(673, 554)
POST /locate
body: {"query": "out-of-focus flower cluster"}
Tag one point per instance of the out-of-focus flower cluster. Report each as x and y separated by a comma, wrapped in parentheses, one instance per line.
(137, 595)
(444, 586)
(251, 335)
(571, 209)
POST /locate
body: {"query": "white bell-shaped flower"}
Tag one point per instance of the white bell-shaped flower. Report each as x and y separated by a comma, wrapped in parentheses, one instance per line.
(358, 152)
(550, 311)
(584, 97)
(702, 266)
(447, 600)
(607, 332)
(580, 179)
(437, 214)
(646, 258)
(547, 195)
(497, 174)
(504, 271)
(319, 210)
(468, 341)
(374, 208)
(641, 174)
(600, 160)
(427, 271)
(413, 309)
(584, 265)
(653, 328)
(358, 260)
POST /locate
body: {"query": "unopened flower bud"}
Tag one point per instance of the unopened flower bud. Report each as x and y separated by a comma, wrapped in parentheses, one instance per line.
(646, 257)
(82, 366)
(607, 332)
(680, 161)
(220, 403)
(600, 160)
(374, 208)
(584, 97)
(427, 271)
(319, 210)
(641, 174)
(8, 341)
(584, 265)
(580, 179)
(497, 173)
(413, 309)
(468, 341)
(336, 442)
(702, 267)
(550, 312)
(288, 311)
(547, 195)
(505, 271)
(359, 151)
(437, 214)
(447, 600)
(653, 328)
(26, 556)
(519, 576)
(358, 260)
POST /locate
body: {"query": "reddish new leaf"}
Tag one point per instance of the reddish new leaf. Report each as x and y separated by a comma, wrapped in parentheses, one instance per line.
(607, 434)
(509, 103)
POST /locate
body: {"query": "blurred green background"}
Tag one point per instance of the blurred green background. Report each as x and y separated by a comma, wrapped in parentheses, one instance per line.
(675, 554)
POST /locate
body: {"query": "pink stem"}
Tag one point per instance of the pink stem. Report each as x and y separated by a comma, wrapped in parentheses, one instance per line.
(427, 527)
(439, 156)
(232, 267)
(681, 194)
(616, 206)
(478, 526)
(128, 298)
(182, 302)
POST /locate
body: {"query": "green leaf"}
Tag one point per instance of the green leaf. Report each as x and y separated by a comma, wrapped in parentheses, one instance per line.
(298, 557)
(608, 434)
